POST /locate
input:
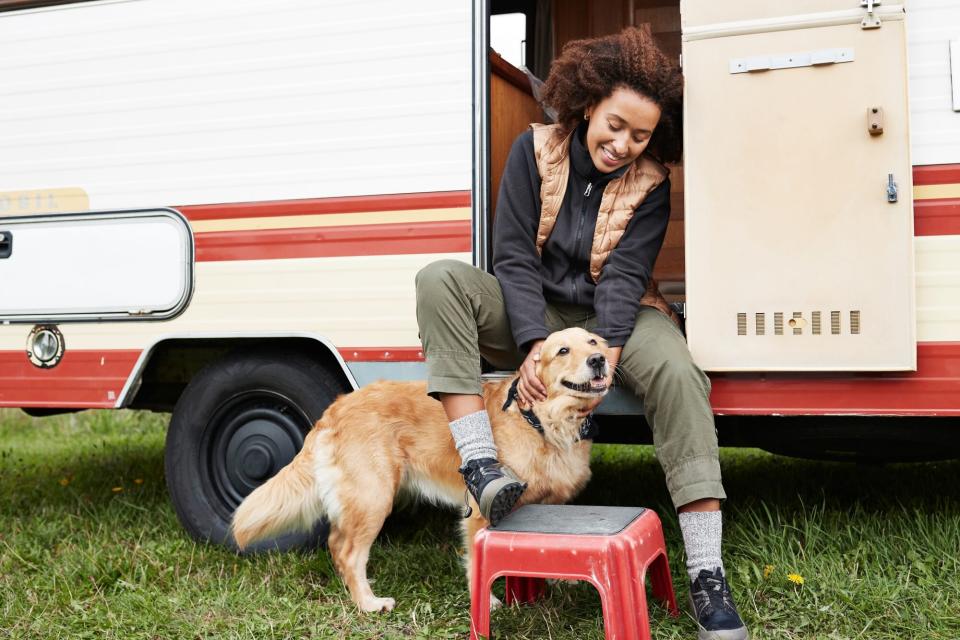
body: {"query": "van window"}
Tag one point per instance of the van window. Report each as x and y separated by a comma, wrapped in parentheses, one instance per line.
(508, 36)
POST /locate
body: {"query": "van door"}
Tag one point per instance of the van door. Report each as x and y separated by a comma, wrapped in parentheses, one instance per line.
(799, 216)
(118, 265)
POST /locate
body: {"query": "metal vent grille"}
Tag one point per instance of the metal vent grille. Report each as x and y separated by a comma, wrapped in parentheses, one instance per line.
(855, 322)
(796, 323)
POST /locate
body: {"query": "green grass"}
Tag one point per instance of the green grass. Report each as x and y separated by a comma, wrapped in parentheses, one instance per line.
(90, 547)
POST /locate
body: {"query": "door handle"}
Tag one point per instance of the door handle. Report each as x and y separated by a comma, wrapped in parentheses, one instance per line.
(891, 188)
(6, 244)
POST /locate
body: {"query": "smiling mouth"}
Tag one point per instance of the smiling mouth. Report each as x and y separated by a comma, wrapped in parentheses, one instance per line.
(611, 156)
(597, 384)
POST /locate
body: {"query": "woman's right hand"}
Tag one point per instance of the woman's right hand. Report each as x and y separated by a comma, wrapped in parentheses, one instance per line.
(531, 389)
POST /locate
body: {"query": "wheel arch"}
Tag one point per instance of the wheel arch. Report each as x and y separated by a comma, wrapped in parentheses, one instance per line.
(165, 368)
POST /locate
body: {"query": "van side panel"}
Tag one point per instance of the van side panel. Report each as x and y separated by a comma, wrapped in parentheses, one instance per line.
(934, 125)
(320, 150)
(935, 153)
(175, 102)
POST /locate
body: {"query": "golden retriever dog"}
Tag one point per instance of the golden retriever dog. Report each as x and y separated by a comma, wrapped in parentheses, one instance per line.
(391, 436)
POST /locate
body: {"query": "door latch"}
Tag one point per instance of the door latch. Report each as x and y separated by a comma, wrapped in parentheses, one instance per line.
(871, 20)
(891, 188)
(6, 244)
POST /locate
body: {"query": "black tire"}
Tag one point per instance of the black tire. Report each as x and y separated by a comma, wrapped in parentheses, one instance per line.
(238, 422)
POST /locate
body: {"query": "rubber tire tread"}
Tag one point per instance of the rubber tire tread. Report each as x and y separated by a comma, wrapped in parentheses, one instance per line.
(307, 383)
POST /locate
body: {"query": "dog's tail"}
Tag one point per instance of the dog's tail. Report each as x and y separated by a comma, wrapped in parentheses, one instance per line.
(289, 501)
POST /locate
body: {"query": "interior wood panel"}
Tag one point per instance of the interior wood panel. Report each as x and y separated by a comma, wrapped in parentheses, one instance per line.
(574, 19)
(571, 20)
(670, 262)
(607, 16)
(512, 109)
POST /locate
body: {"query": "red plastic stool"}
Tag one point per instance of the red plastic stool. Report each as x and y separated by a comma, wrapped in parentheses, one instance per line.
(610, 547)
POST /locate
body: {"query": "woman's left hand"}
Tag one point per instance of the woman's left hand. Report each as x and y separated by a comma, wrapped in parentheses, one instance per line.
(530, 389)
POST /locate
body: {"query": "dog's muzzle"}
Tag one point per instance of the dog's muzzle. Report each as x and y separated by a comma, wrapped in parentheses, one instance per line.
(596, 384)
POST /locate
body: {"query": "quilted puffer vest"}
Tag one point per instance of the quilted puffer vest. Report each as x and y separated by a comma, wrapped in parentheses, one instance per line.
(621, 197)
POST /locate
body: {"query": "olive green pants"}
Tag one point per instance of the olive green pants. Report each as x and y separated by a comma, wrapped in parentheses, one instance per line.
(462, 316)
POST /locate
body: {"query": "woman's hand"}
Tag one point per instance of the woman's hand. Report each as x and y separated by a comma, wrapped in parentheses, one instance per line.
(531, 389)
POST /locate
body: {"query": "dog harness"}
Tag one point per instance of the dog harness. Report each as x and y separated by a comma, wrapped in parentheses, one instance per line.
(589, 430)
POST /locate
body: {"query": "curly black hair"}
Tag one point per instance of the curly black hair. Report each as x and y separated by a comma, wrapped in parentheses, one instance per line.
(588, 71)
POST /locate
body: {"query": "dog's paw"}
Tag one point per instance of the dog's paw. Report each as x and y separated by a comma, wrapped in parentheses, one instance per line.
(495, 602)
(377, 605)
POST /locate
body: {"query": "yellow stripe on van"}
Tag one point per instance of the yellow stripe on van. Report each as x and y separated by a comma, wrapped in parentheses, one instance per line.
(932, 191)
(35, 201)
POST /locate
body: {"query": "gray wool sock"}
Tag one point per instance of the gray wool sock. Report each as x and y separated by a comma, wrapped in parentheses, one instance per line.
(702, 533)
(473, 436)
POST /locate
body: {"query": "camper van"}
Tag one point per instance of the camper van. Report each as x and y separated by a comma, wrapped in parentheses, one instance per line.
(217, 208)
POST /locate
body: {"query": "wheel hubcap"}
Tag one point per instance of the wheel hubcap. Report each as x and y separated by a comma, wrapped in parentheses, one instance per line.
(251, 437)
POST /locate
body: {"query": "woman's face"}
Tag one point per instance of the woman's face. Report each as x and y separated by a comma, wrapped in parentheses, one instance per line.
(619, 128)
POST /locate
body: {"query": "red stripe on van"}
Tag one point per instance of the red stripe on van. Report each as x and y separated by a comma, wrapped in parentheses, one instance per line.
(933, 390)
(94, 379)
(83, 379)
(321, 242)
(315, 206)
(939, 217)
(381, 354)
(936, 174)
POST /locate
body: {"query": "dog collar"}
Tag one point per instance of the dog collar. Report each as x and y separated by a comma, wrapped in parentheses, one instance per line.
(588, 430)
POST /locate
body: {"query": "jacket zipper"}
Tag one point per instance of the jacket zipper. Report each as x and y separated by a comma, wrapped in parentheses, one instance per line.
(583, 215)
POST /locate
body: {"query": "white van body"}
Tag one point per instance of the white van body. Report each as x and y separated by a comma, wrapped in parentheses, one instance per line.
(322, 153)
(188, 184)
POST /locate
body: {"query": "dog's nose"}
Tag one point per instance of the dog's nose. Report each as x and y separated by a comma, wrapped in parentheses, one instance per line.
(596, 361)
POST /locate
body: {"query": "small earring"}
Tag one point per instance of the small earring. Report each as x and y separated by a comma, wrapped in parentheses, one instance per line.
(586, 116)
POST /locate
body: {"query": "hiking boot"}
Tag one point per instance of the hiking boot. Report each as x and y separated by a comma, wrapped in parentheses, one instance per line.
(493, 486)
(713, 608)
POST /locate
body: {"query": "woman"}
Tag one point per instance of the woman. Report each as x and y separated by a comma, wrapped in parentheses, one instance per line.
(581, 215)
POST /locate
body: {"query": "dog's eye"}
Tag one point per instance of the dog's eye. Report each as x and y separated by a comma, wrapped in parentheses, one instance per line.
(592, 341)
(563, 351)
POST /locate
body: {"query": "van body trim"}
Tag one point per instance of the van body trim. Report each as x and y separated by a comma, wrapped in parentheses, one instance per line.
(785, 23)
(481, 134)
(127, 392)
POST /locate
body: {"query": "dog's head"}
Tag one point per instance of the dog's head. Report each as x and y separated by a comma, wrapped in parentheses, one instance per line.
(574, 365)
(574, 362)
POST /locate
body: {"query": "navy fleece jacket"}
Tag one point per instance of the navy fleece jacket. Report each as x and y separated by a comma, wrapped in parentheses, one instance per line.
(562, 274)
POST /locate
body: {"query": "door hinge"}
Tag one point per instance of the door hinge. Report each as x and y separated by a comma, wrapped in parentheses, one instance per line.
(871, 20)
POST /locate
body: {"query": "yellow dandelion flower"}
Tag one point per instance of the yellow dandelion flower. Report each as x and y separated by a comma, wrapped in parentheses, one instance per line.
(795, 578)
(138, 481)
(767, 570)
(64, 482)
(117, 489)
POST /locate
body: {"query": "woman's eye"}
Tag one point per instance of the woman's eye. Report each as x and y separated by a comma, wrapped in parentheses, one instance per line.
(563, 351)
